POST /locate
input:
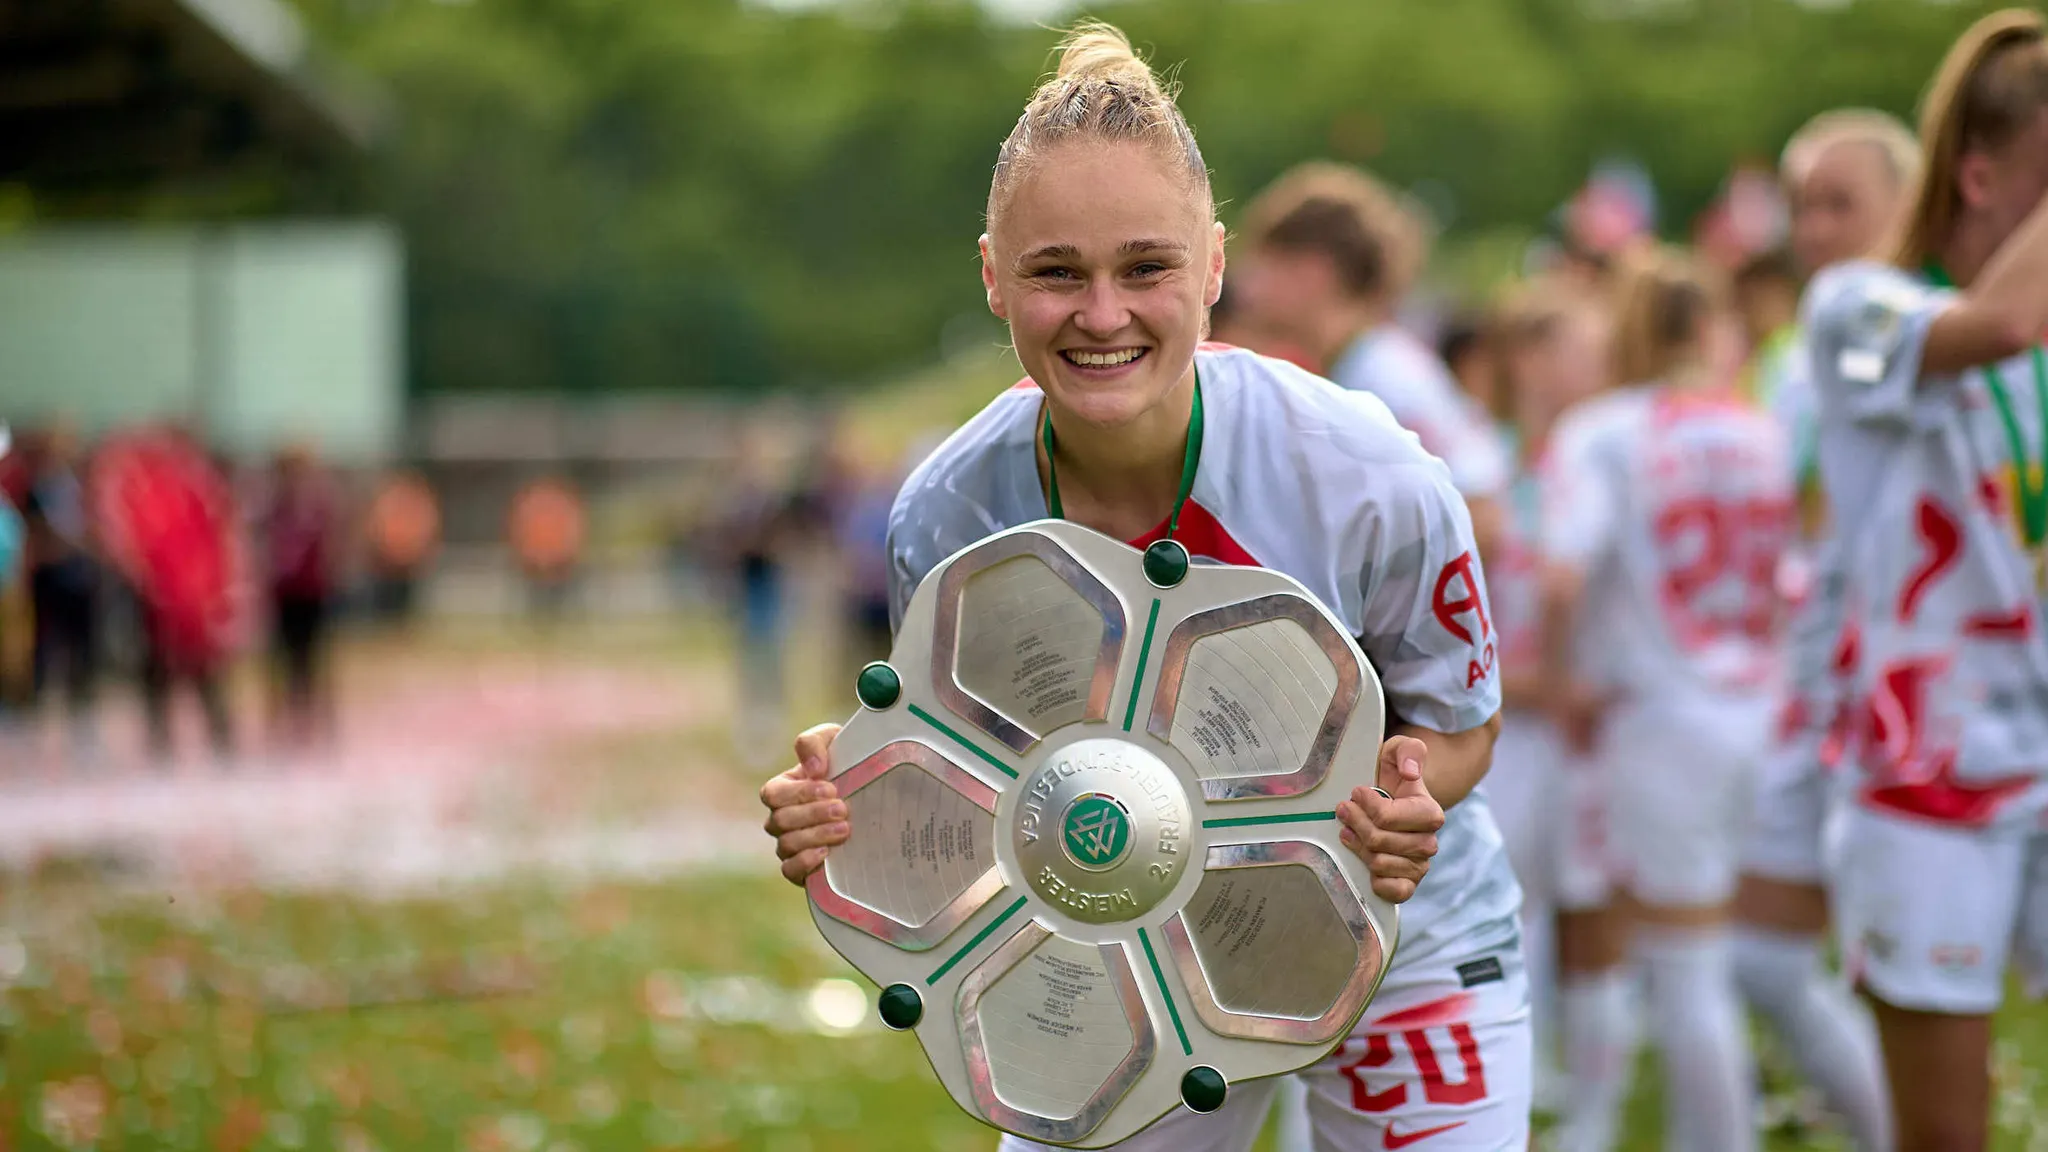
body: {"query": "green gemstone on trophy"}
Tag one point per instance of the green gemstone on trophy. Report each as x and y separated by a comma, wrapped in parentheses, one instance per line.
(1096, 832)
(878, 686)
(1203, 1089)
(901, 1007)
(1166, 563)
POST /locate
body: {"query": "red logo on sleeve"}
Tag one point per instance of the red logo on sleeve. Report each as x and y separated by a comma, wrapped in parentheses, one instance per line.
(1470, 599)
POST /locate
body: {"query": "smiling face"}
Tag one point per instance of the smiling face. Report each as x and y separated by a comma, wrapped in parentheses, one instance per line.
(1104, 262)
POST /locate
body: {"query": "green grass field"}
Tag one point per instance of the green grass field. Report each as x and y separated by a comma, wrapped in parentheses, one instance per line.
(533, 1017)
(532, 1012)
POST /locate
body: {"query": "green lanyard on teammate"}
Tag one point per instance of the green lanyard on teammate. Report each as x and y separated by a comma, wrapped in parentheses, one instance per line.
(2030, 479)
(1191, 457)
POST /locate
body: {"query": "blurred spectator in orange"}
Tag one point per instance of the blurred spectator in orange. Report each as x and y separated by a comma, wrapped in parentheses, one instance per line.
(404, 526)
(64, 579)
(300, 529)
(546, 530)
(167, 516)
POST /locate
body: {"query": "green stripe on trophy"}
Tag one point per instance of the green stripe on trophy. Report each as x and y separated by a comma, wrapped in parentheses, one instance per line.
(971, 945)
(1166, 994)
(1138, 681)
(1255, 821)
(963, 741)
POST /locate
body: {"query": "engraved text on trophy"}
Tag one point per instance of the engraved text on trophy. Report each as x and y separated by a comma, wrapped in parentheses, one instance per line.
(1028, 644)
(1251, 700)
(1270, 942)
(916, 845)
(1055, 1029)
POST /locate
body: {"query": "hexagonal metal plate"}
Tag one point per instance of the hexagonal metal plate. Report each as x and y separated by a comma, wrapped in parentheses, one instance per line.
(1145, 876)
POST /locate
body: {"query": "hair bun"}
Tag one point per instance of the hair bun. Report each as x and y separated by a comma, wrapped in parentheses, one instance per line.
(1095, 50)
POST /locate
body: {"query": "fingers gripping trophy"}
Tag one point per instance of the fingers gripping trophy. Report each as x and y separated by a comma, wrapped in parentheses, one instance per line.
(1093, 859)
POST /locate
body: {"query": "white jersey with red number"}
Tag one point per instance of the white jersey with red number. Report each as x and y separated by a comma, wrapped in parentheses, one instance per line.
(1953, 675)
(1678, 507)
(1425, 399)
(1307, 479)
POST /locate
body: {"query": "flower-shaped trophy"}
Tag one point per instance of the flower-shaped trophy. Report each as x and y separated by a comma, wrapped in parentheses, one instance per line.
(1094, 861)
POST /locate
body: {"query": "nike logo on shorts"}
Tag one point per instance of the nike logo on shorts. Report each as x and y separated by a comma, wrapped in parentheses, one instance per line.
(1396, 1140)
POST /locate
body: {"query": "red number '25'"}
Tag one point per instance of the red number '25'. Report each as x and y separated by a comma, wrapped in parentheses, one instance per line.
(1717, 542)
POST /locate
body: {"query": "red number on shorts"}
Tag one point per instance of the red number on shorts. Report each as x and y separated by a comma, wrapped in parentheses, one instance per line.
(1379, 1051)
(1717, 542)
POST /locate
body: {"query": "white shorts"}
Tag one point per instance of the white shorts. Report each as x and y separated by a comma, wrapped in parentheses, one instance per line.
(1433, 1063)
(1678, 792)
(1930, 915)
(1548, 805)
(1788, 813)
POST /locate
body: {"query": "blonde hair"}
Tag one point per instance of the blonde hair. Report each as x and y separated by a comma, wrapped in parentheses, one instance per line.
(1663, 299)
(1101, 90)
(1866, 126)
(1993, 80)
(1378, 243)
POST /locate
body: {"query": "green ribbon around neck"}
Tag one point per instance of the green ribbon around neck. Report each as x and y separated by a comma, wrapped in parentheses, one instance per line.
(1190, 457)
(2030, 479)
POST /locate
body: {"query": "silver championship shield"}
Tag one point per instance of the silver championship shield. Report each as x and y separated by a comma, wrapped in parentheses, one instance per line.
(1094, 861)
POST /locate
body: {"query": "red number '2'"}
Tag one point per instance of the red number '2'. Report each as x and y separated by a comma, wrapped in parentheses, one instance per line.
(1379, 1052)
(1720, 541)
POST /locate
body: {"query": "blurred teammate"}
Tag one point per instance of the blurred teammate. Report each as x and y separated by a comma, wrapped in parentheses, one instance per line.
(1103, 254)
(1552, 345)
(1667, 507)
(1846, 173)
(1767, 299)
(1933, 390)
(1466, 345)
(1330, 255)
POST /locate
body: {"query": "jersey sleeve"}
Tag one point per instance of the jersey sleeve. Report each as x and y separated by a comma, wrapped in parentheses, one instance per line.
(1581, 493)
(908, 563)
(1866, 330)
(1427, 626)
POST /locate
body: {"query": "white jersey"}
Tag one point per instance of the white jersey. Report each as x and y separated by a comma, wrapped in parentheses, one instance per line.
(1814, 580)
(1954, 671)
(1425, 399)
(1300, 477)
(1678, 507)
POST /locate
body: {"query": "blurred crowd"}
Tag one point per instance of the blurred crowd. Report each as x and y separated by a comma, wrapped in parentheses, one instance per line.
(145, 556)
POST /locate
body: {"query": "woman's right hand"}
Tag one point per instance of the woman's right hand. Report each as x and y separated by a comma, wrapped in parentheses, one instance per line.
(805, 814)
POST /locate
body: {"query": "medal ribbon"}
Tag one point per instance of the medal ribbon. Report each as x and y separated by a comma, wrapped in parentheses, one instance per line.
(2030, 482)
(1190, 457)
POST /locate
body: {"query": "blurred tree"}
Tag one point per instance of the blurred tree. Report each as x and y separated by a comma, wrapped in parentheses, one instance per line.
(651, 194)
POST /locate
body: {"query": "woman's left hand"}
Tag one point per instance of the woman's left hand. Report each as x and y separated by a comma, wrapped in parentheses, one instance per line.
(1393, 828)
